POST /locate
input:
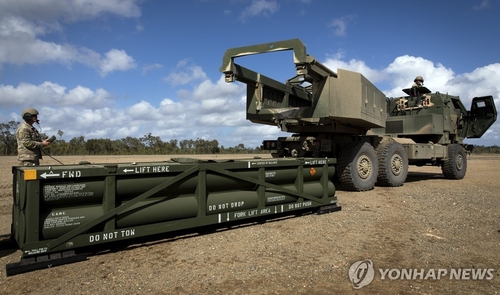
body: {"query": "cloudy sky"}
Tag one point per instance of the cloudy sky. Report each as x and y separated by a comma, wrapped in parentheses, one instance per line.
(118, 68)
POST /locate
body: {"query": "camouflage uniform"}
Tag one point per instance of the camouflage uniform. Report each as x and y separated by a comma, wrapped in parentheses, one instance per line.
(418, 82)
(29, 144)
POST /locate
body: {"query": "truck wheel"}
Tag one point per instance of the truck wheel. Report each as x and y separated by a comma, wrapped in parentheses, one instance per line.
(392, 164)
(456, 165)
(358, 166)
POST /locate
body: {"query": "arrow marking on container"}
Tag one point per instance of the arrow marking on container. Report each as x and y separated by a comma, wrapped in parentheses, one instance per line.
(128, 170)
(45, 175)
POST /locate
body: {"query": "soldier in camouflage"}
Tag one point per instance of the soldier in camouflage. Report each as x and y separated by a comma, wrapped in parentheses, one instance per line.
(418, 82)
(29, 142)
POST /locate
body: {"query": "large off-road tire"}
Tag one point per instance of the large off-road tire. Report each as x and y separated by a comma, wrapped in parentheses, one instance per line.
(456, 165)
(358, 166)
(392, 164)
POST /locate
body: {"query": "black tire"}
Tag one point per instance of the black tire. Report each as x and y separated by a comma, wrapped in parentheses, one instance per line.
(456, 165)
(358, 166)
(392, 164)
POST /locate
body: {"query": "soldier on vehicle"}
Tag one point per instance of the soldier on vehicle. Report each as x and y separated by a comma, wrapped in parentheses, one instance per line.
(29, 142)
(418, 82)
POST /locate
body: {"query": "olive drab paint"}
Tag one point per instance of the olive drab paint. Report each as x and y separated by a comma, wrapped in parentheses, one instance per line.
(71, 207)
(342, 115)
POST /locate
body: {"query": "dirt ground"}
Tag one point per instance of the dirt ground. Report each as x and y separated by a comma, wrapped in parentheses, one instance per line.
(444, 233)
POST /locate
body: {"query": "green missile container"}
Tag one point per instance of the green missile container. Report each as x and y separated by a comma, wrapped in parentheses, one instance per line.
(57, 209)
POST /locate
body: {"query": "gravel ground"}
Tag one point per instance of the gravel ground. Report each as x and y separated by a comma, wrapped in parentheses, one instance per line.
(430, 225)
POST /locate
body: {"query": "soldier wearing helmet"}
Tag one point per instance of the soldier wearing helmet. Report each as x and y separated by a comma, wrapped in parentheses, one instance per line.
(29, 142)
(415, 92)
(419, 81)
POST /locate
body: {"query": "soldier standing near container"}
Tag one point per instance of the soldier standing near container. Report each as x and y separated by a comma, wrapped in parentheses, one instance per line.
(29, 142)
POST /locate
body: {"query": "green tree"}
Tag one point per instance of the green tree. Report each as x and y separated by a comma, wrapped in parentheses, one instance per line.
(171, 147)
(133, 145)
(153, 144)
(8, 138)
(77, 146)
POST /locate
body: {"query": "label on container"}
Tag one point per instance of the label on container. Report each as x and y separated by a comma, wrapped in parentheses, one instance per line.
(60, 219)
(54, 192)
(276, 198)
(35, 251)
(223, 217)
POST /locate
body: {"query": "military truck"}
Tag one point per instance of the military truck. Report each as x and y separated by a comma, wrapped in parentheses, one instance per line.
(344, 116)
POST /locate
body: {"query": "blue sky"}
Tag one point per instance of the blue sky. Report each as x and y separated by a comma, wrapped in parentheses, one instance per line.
(118, 68)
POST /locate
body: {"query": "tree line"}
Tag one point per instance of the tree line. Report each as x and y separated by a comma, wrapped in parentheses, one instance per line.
(481, 149)
(145, 145)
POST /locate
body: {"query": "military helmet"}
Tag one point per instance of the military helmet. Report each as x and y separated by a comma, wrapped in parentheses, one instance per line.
(419, 78)
(28, 113)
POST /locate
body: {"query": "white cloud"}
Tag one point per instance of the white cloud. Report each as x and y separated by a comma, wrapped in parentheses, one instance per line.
(49, 93)
(68, 10)
(84, 96)
(216, 109)
(169, 107)
(339, 25)
(79, 121)
(20, 45)
(481, 81)
(116, 60)
(123, 132)
(143, 111)
(146, 69)
(252, 135)
(185, 74)
(17, 26)
(258, 8)
(399, 74)
(221, 89)
(354, 65)
(23, 23)
(190, 119)
(403, 70)
(483, 5)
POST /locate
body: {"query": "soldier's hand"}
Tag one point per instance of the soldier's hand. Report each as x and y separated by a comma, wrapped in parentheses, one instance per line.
(46, 142)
